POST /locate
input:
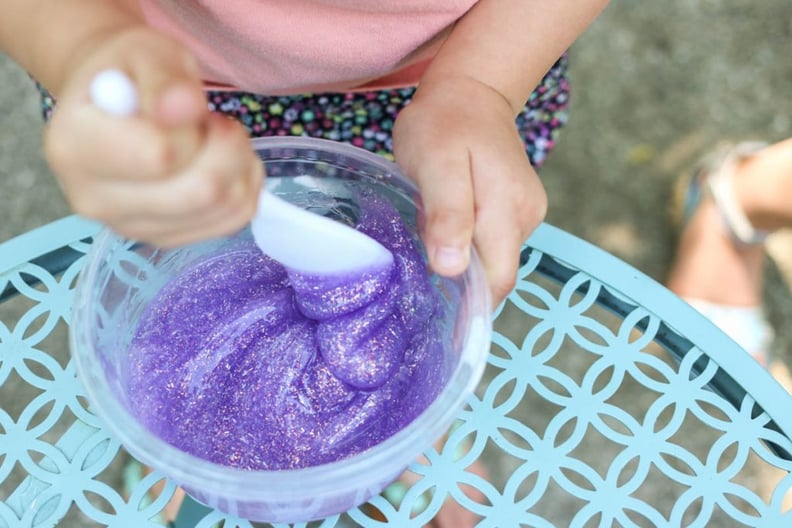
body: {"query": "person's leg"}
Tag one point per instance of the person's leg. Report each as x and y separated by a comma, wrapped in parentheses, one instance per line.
(764, 187)
(711, 265)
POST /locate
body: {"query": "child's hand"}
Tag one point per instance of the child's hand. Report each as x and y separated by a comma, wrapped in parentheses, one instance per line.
(457, 139)
(171, 174)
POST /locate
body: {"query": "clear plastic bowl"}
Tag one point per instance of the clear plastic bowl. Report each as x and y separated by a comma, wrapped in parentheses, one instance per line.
(121, 276)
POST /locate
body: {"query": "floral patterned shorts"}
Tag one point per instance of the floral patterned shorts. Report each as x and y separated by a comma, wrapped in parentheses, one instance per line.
(365, 119)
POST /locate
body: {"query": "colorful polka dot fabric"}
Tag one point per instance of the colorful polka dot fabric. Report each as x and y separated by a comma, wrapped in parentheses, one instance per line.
(365, 119)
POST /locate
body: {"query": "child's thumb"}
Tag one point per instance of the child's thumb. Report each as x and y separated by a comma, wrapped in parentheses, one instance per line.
(169, 87)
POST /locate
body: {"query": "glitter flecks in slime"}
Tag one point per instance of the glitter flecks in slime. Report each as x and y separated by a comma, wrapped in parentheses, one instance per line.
(243, 363)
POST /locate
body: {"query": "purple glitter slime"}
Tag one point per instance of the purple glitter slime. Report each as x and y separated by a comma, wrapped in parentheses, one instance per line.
(243, 363)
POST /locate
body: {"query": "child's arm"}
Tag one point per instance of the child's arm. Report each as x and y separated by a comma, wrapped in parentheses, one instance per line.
(510, 44)
(169, 175)
(48, 37)
(458, 138)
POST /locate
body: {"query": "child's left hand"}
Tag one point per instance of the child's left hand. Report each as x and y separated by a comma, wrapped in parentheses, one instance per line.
(458, 140)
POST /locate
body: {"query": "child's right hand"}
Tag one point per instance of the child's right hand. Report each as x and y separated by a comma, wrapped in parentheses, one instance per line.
(173, 173)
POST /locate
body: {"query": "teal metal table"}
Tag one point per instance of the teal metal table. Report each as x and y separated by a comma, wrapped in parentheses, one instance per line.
(607, 402)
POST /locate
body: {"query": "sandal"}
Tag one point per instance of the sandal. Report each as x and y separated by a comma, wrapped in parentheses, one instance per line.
(747, 326)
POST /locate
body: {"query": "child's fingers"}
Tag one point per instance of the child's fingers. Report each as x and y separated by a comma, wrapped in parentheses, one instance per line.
(224, 176)
(171, 95)
(448, 211)
(162, 136)
(185, 230)
(191, 227)
(509, 208)
(86, 143)
(218, 176)
(168, 83)
(498, 241)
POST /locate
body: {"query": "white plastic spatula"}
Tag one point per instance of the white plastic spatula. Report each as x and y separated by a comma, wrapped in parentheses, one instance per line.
(298, 239)
(313, 244)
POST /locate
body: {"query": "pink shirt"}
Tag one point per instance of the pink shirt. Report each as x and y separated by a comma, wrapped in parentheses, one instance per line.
(292, 46)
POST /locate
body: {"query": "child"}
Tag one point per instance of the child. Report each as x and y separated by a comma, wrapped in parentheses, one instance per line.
(177, 173)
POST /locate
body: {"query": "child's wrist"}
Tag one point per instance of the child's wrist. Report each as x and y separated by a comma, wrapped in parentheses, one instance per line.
(89, 46)
(49, 38)
(477, 90)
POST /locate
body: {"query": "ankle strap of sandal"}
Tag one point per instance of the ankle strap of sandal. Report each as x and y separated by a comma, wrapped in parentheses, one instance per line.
(721, 187)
